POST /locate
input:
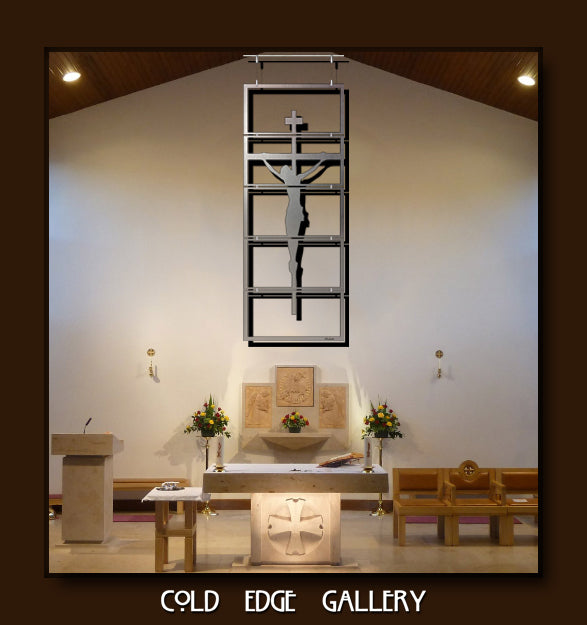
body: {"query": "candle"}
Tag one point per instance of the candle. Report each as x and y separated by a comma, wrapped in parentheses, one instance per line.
(368, 459)
(220, 452)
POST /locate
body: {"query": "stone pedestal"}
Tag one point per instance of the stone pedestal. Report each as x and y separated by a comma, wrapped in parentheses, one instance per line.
(87, 485)
(295, 528)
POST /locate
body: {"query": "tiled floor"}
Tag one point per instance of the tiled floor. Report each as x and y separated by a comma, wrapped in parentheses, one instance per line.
(367, 546)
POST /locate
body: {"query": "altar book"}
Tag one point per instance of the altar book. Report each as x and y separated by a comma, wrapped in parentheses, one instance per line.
(338, 461)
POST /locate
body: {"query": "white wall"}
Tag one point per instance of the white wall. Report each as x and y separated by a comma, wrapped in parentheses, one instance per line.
(145, 211)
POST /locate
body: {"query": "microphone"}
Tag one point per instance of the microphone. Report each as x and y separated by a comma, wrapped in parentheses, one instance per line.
(86, 425)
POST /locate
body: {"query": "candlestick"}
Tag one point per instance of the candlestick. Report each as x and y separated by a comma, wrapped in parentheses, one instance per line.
(367, 455)
(380, 511)
(208, 510)
(220, 454)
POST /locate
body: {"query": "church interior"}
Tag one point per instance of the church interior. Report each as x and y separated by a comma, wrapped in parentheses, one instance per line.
(200, 276)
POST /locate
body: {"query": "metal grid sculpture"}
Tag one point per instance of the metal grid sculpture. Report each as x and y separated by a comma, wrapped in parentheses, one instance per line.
(297, 176)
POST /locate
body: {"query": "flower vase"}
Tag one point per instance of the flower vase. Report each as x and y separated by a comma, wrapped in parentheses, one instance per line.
(382, 434)
(294, 429)
(208, 433)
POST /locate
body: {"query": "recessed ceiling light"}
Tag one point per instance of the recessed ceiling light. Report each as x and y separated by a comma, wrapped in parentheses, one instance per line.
(526, 80)
(71, 76)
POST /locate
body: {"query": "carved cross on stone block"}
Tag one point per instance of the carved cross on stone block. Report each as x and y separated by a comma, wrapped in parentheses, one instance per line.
(288, 531)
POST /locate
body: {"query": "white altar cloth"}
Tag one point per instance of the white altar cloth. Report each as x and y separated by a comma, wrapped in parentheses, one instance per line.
(301, 478)
(189, 493)
(295, 467)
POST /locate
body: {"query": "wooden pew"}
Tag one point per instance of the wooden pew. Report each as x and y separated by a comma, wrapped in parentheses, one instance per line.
(474, 492)
(518, 489)
(421, 492)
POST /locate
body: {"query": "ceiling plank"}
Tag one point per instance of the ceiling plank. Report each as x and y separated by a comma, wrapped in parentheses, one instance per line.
(486, 76)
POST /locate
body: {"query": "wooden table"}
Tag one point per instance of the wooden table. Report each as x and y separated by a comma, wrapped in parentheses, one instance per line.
(295, 508)
(179, 525)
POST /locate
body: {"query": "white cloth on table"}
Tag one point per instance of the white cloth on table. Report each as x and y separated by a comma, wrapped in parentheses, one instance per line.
(189, 493)
(294, 468)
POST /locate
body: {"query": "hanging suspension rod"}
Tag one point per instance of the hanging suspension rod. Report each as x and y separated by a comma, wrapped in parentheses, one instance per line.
(285, 58)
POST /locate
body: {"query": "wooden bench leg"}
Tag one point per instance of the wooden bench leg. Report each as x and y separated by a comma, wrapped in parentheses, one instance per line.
(395, 523)
(451, 533)
(189, 556)
(506, 530)
(190, 517)
(494, 526)
(441, 526)
(401, 530)
(160, 553)
(161, 541)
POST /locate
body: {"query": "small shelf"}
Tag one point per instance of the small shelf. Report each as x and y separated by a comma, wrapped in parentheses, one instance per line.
(294, 441)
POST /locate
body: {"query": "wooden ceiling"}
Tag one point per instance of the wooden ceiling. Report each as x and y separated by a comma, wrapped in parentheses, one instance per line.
(487, 76)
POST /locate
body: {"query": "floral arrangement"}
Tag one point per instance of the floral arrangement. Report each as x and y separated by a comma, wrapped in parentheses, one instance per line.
(294, 420)
(211, 419)
(382, 422)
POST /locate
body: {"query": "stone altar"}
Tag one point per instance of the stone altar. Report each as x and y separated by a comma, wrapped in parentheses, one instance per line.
(295, 508)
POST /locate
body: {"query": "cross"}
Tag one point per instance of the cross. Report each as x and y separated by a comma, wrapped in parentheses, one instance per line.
(294, 526)
(293, 121)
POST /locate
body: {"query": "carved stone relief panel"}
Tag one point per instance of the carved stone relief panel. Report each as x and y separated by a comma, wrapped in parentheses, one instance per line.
(295, 386)
(258, 401)
(332, 403)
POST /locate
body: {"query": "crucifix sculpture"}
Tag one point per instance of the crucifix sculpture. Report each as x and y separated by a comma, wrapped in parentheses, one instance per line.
(309, 167)
(296, 217)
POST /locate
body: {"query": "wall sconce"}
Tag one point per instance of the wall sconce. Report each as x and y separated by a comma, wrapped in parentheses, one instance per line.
(151, 353)
(439, 354)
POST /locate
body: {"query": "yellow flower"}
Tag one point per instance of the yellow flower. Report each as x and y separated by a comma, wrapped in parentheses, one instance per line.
(211, 421)
(388, 424)
(211, 405)
(380, 407)
(381, 415)
(371, 418)
(226, 419)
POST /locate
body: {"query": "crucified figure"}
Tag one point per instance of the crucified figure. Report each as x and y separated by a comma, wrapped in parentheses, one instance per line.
(296, 218)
